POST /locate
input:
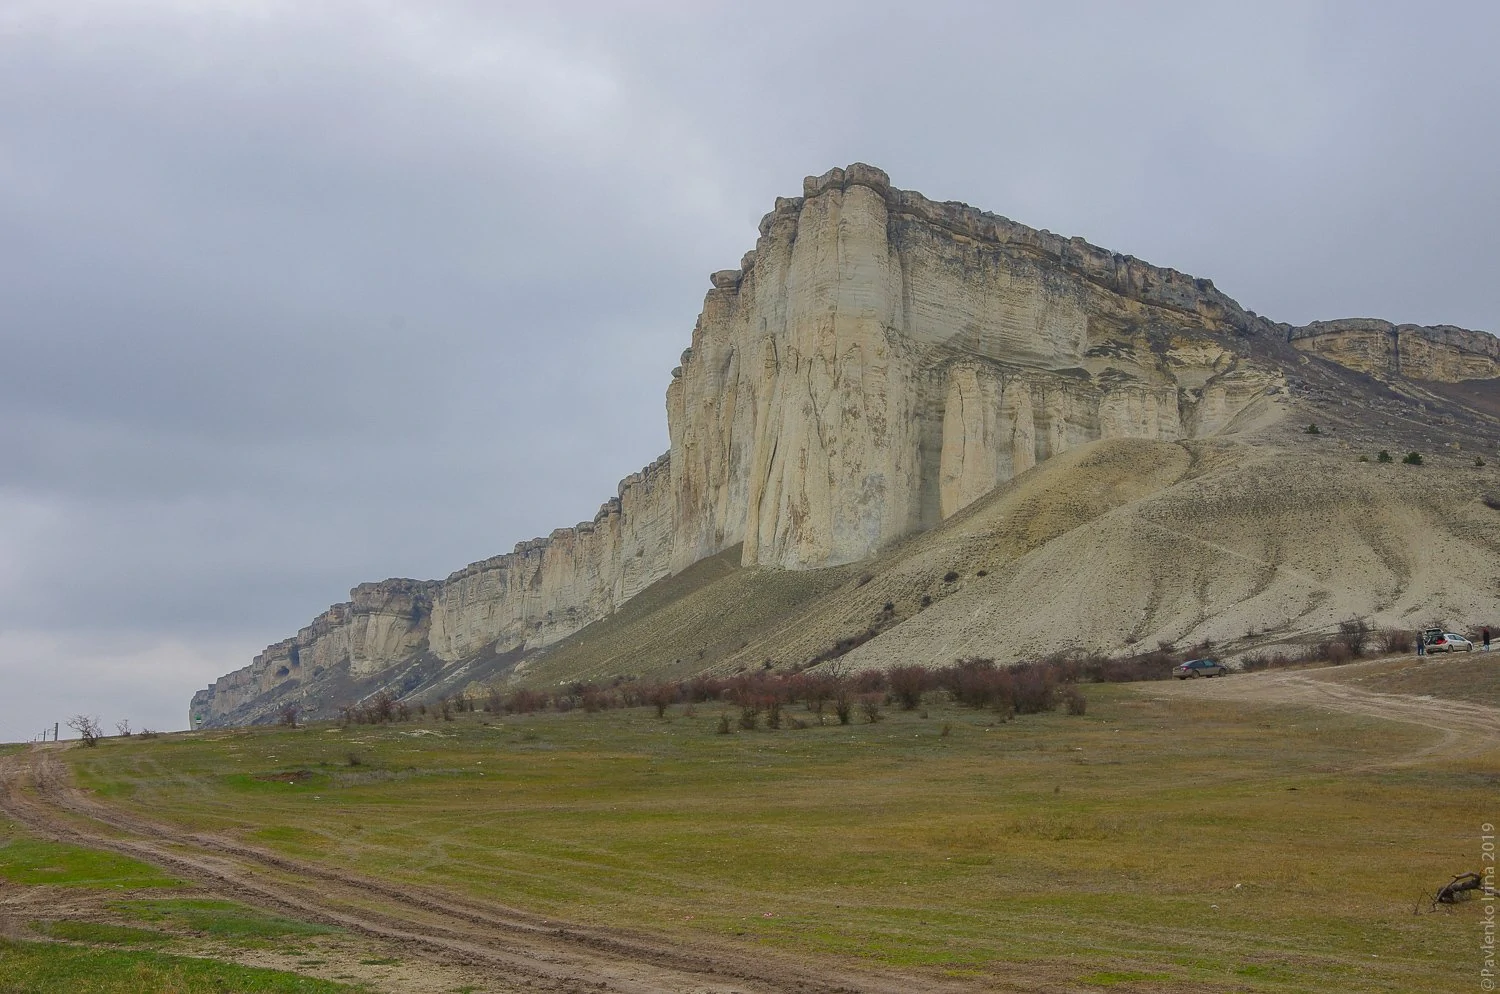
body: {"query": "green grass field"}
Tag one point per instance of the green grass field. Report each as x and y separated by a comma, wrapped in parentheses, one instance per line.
(1198, 843)
(25, 860)
(47, 968)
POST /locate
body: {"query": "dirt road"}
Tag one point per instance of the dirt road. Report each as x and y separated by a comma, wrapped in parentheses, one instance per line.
(1465, 729)
(518, 951)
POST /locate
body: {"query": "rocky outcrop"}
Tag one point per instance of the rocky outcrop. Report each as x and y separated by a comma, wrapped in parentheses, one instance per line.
(878, 362)
(1441, 353)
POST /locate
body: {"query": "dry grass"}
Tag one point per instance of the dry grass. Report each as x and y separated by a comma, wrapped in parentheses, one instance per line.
(1216, 847)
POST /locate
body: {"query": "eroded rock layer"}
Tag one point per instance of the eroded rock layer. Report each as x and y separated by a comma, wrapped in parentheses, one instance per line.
(1441, 353)
(878, 362)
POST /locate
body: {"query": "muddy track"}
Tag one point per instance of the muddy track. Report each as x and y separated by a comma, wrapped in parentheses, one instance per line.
(1466, 729)
(523, 952)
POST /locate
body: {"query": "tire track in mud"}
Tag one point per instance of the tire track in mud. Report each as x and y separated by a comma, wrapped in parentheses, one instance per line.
(1467, 729)
(527, 952)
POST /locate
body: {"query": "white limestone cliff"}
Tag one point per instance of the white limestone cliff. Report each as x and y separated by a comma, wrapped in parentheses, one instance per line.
(875, 364)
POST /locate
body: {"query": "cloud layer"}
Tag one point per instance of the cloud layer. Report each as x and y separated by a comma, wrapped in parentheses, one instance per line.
(300, 295)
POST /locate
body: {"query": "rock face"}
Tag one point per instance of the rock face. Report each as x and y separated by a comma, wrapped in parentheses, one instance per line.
(877, 363)
(1440, 353)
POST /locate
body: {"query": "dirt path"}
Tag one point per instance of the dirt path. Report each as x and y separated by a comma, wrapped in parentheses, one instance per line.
(520, 952)
(1466, 729)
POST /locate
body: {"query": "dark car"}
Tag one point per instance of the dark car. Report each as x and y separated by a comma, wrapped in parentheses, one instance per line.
(1199, 667)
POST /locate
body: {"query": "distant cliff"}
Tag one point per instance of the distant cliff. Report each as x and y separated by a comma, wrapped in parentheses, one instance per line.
(1442, 353)
(875, 364)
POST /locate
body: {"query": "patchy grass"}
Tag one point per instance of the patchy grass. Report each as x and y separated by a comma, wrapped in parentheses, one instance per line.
(224, 920)
(1459, 676)
(46, 968)
(1218, 846)
(25, 860)
(98, 932)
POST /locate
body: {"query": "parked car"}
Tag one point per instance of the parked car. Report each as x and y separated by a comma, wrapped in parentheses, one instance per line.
(1449, 642)
(1199, 667)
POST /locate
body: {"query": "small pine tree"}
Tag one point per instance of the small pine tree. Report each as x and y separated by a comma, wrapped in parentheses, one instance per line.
(1312, 430)
(1384, 457)
(1413, 459)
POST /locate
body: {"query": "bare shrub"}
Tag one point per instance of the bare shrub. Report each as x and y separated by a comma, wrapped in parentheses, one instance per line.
(1035, 688)
(662, 696)
(843, 706)
(974, 683)
(1254, 661)
(1336, 653)
(147, 733)
(749, 719)
(773, 714)
(1074, 700)
(1355, 633)
(87, 728)
(524, 701)
(907, 684)
(286, 717)
(1395, 640)
(123, 727)
(869, 705)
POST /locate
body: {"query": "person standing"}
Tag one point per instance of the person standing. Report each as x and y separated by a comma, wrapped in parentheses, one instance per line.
(1421, 646)
(1486, 633)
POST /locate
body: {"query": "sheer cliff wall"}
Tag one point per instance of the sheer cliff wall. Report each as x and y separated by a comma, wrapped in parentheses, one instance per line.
(875, 364)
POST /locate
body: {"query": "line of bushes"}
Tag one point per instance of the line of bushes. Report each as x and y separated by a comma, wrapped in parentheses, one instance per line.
(761, 696)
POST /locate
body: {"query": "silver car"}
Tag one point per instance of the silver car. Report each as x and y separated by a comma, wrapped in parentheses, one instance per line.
(1450, 642)
(1199, 667)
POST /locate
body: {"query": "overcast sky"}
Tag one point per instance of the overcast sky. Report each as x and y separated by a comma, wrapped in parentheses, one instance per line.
(295, 295)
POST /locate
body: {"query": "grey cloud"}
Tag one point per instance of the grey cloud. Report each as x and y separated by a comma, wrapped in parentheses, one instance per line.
(296, 296)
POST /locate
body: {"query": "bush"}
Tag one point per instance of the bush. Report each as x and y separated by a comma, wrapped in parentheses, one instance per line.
(1336, 653)
(1355, 633)
(525, 701)
(843, 707)
(1312, 430)
(1075, 701)
(907, 684)
(950, 577)
(1396, 640)
(662, 696)
(1413, 459)
(749, 719)
(724, 728)
(1035, 688)
(1384, 456)
(869, 704)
